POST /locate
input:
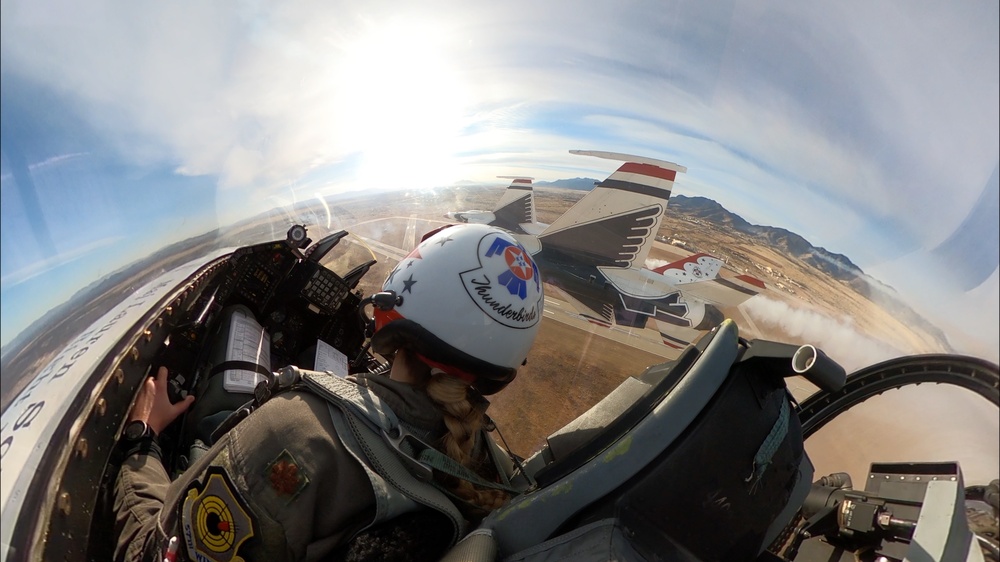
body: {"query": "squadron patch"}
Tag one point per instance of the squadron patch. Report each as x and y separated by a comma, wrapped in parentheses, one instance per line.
(286, 476)
(215, 519)
(506, 286)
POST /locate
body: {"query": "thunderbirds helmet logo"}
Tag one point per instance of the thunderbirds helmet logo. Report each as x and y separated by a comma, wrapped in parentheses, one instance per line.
(506, 286)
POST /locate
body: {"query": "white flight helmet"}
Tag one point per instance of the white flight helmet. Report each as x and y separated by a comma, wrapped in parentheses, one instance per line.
(469, 302)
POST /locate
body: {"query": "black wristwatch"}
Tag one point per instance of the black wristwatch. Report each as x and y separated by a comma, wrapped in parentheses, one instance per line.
(137, 430)
(138, 437)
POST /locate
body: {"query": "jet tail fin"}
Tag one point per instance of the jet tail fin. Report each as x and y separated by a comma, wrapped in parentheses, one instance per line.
(516, 206)
(615, 224)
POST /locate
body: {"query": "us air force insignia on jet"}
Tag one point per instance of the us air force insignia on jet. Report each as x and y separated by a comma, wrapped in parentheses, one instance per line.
(215, 519)
(506, 286)
(286, 476)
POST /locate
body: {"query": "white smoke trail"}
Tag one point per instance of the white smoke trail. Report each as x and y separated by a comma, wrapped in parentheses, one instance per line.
(838, 337)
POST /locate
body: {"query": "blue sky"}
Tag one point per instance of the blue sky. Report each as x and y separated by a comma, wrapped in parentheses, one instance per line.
(872, 130)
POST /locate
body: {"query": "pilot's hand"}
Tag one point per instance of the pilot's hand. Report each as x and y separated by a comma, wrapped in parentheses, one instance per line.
(153, 404)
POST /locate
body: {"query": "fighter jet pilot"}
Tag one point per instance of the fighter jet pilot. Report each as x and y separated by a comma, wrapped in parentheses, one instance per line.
(289, 483)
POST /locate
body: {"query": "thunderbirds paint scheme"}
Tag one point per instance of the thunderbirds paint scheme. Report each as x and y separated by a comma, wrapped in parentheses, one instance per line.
(595, 253)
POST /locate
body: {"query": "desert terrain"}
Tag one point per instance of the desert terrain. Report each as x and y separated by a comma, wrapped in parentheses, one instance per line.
(574, 363)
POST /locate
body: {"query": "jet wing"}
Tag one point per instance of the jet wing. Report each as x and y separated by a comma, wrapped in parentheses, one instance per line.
(724, 291)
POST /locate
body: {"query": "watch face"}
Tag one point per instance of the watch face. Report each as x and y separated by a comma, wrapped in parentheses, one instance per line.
(135, 430)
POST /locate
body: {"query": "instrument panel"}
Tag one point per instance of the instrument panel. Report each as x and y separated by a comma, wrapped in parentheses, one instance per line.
(295, 298)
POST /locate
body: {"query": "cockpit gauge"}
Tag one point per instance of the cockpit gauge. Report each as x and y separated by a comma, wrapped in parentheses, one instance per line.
(297, 236)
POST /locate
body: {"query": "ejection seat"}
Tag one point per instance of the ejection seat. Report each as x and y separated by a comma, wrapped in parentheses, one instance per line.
(700, 458)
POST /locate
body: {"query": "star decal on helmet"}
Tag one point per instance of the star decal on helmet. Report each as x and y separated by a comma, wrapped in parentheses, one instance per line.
(444, 241)
(517, 263)
(408, 285)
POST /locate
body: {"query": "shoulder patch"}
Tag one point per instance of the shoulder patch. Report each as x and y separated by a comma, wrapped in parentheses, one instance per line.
(286, 476)
(215, 519)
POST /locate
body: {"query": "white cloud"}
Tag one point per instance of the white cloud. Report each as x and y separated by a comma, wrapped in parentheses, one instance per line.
(260, 93)
(255, 97)
(54, 160)
(826, 119)
(42, 266)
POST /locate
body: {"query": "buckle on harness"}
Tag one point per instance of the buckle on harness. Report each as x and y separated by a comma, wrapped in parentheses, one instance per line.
(408, 447)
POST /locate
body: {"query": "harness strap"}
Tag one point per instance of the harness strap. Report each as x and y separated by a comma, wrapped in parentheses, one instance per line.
(361, 400)
(442, 462)
(377, 457)
(420, 456)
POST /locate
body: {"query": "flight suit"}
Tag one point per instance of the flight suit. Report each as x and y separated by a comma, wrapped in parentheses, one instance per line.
(280, 485)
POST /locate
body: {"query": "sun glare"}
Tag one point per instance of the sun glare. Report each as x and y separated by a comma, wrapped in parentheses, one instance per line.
(402, 107)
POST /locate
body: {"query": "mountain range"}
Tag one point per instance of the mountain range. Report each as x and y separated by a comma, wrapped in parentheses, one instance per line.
(790, 244)
(579, 184)
(838, 266)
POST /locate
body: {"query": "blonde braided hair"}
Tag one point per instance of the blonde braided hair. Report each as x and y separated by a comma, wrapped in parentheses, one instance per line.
(463, 422)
